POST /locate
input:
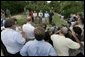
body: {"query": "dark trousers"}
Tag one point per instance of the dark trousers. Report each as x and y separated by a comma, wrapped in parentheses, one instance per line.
(3, 48)
(17, 54)
(50, 20)
(80, 54)
(32, 19)
(5, 52)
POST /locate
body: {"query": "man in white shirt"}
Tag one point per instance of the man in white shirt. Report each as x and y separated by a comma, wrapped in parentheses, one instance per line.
(63, 44)
(46, 15)
(38, 47)
(29, 29)
(35, 16)
(12, 40)
(40, 14)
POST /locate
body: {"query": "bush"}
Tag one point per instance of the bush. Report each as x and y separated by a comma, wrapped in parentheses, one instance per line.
(62, 7)
(72, 7)
(15, 7)
(38, 7)
(21, 21)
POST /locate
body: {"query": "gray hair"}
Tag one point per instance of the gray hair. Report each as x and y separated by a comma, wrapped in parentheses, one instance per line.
(64, 30)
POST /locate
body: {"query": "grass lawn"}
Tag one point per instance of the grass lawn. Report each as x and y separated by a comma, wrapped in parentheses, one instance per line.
(21, 20)
(56, 20)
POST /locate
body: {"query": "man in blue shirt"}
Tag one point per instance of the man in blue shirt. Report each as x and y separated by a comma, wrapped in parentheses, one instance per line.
(12, 40)
(38, 47)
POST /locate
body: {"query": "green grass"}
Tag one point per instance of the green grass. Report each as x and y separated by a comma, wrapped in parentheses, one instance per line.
(56, 20)
(21, 21)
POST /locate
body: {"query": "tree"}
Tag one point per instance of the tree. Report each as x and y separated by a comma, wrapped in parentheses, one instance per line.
(61, 7)
(72, 7)
(14, 6)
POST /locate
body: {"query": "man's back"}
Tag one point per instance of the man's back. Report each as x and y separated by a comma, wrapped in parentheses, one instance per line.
(12, 40)
(63, 44)
(37, 48)
(29, 30)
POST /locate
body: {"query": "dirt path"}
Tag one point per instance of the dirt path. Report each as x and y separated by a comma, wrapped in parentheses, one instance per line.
(17, 16)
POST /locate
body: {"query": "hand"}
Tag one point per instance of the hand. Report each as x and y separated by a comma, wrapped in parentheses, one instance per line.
(23, 34)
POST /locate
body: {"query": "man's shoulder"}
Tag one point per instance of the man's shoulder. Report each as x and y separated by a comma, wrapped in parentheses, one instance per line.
(48, 44)
(68, 39)
(29, 43)
(24, 24)
(15, 32)
(31, 26)
(54, 35)
(3, 31)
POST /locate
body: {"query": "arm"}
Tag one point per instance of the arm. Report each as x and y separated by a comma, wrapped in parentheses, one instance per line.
(23, 32)
(23, 51)
(73, 34)
(71, 44)
(19, 38)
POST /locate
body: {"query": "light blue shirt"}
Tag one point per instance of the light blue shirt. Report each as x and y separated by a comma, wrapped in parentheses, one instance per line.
(37, 48)
(12, 40)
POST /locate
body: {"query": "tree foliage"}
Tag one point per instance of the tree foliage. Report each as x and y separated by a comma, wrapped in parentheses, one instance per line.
(61, 7)
(14, 6)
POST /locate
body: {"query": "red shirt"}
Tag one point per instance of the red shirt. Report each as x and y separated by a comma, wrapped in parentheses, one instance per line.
(31, 14)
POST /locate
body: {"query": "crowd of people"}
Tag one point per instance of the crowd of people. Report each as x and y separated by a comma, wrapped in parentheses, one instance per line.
(43, 40)
(41, 17)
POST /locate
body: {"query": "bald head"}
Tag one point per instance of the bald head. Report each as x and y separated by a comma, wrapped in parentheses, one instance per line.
(64, 30)
(29, 18)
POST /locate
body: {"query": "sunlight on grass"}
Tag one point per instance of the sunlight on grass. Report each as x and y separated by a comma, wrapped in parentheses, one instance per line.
(21, 20)
(58, 21)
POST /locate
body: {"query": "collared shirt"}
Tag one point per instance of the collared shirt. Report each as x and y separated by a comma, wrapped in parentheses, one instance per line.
(40, 14)
(29, 30)
(12, 40)
(37, 48)
(46, 14)
(34, 14)
(63, 44)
